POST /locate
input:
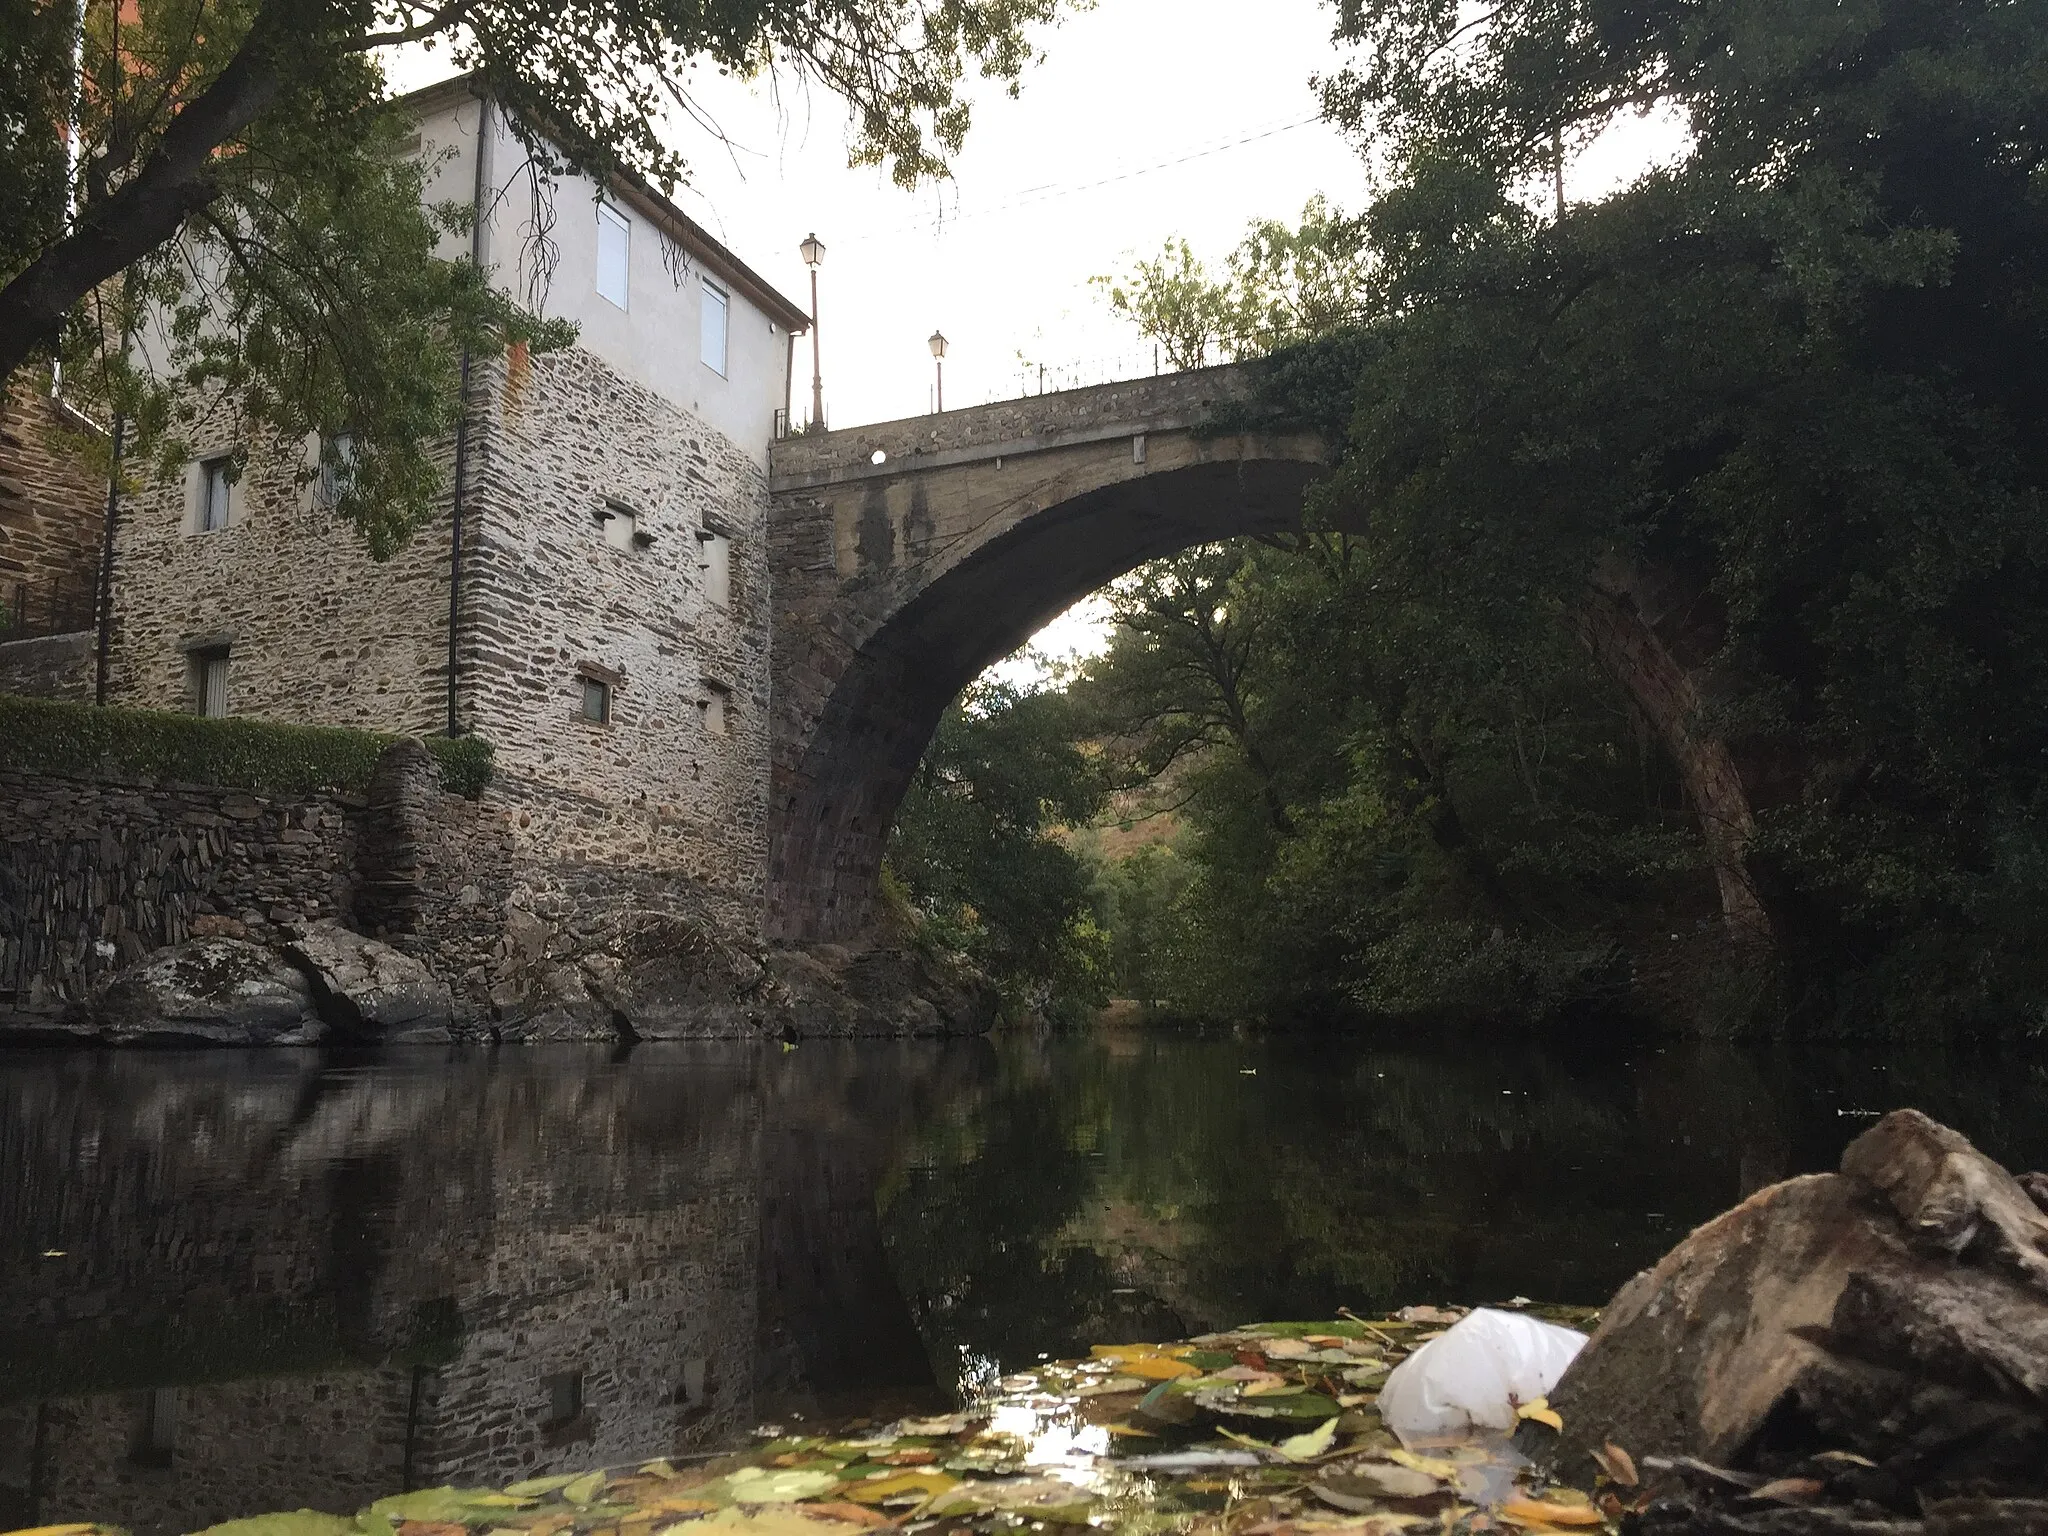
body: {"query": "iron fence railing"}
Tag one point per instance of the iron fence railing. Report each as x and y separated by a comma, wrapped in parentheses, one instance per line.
(30, 608)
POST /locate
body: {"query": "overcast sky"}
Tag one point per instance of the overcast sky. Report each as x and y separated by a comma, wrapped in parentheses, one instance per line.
(1148, 119)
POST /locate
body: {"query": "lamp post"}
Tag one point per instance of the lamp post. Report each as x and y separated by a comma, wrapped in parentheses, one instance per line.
(938, 345)
(813, 252)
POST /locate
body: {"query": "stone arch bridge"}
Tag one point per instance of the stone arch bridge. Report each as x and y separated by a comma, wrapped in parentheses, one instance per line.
(910, 555)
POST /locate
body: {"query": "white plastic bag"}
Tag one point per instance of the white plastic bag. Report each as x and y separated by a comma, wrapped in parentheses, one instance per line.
(1473, 1375)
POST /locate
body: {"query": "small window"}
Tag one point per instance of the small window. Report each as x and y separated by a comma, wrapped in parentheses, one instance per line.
(714, 706)
(215, 489)
(210, 684)
(714, 559)
(337, 474)
(565, 1396)
(620, 526)
(157, 1438)
(614, 244)
(711, 328)
(597, 701)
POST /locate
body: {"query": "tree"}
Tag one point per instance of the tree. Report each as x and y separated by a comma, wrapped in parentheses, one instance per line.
(977, 844)
(240, 178)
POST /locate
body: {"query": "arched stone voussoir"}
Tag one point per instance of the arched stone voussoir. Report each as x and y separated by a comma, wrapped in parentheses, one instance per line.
(896, 584)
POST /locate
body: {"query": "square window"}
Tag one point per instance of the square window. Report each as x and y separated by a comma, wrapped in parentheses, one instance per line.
(209, 679)
(713, 316)
(714, 706)
(215, 491)
(714, 559)
(597, 701)
(614, 245)
(620, 526)
(565, 1396)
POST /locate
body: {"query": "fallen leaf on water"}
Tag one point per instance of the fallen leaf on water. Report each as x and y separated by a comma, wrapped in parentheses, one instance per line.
(1287, 1349)
(534, 1487)
(433, 1528)
(757, 1485)
(917, 1456)
(302, 1522)
(1789, 1490)
(1847, 1456)
(1436, 1466)
(82, 1529)
(1370, 1481)
(1617, 1464)
(1308, 1446)
(776, 1520)
(879, 1490)
(1157, 1368)
(1131, 1429)
(582, 1490)
(1111, 1386)
(1272, 1386)
(1541, 1412)
(1356, 1399)
(839, 1509)
(1540, 1513)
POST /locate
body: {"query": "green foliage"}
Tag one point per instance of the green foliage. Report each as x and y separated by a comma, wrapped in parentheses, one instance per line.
(77, 740)
(243, 252)
(976, 846)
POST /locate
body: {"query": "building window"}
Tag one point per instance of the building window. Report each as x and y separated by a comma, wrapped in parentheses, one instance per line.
(215, 491)
(714, 559)
(614, 244)
(714, 704)
(157, 1438)
(712, 327)
(597, 700)
(338, 471)
(209, 678)
(565, 1397)
(620, 526)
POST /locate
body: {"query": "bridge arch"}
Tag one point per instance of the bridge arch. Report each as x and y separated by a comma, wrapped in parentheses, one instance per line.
(910, 556)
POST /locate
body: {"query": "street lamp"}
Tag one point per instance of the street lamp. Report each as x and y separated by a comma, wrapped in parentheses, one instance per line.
(813, 252)
(938, 345)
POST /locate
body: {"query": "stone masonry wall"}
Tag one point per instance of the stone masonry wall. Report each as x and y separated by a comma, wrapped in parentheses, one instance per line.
(51, 508)
(317, 632)
(654, 789)
(49, 666)
(96, 874)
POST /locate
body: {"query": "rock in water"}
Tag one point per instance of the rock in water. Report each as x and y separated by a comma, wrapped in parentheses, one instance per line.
(370, 990)
(218, 991)
(1896, 1310)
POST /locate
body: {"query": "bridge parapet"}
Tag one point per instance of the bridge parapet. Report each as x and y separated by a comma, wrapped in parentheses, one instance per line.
(1033, 424)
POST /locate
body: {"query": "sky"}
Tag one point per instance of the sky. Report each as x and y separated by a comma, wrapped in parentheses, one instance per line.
(1146, 120)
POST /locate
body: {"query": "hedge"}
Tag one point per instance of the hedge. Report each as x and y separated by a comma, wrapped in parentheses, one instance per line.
(81, 741)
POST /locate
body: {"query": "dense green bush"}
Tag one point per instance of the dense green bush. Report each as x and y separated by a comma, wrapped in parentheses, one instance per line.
(46, 736)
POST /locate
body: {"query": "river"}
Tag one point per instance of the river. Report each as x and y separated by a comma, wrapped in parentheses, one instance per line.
(237, 1281)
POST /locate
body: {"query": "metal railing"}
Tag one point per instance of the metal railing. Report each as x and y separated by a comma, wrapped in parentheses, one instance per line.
(32, 609)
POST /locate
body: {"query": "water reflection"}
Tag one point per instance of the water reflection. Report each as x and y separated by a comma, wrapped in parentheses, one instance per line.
(240, 1281)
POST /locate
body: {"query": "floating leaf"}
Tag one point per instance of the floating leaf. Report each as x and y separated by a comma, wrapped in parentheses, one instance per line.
(1157, 1368)
(1542, 1513)
(1540, 1412)
(1370, 1480)
(1307, 1447)
(534, 1487)
(1789, 1490)
(880, 1489)
(584, 1489)
(303, 1522)
(756, 1485)
(1619, 1466)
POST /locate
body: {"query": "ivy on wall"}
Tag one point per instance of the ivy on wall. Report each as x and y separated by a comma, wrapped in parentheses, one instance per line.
(78, 740)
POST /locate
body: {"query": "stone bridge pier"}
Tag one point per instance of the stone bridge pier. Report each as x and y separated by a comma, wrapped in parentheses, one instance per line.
(908, 556)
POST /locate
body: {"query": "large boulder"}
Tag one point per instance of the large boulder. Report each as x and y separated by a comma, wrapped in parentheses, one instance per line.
(369, 991)
(1884, 1328)
(214, 991)
(669, 978)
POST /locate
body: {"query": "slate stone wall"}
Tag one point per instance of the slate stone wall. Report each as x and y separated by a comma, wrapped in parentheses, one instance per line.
(317, 632)
(95, 874)
(566, 439)
(51, 509)
(49, 666)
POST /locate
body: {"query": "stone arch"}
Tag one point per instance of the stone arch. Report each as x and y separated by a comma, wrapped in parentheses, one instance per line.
(935, 571)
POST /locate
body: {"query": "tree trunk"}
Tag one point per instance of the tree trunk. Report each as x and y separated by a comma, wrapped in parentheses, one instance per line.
(146, 209)
(1629, 650)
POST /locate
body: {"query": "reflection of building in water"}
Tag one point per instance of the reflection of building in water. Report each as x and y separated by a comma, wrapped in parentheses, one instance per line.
(273, 1285)
(276, 1288)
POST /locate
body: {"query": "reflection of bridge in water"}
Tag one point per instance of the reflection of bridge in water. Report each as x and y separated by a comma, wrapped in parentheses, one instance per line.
(278, 1287)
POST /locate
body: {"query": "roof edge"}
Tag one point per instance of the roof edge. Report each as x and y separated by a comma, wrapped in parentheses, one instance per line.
(634, 190)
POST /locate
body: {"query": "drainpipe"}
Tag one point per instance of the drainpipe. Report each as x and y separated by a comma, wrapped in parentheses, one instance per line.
(479, 248)
(104, 639)
(788, 376)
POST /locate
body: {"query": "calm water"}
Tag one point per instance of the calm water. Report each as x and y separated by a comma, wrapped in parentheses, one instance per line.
(241, 1281)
